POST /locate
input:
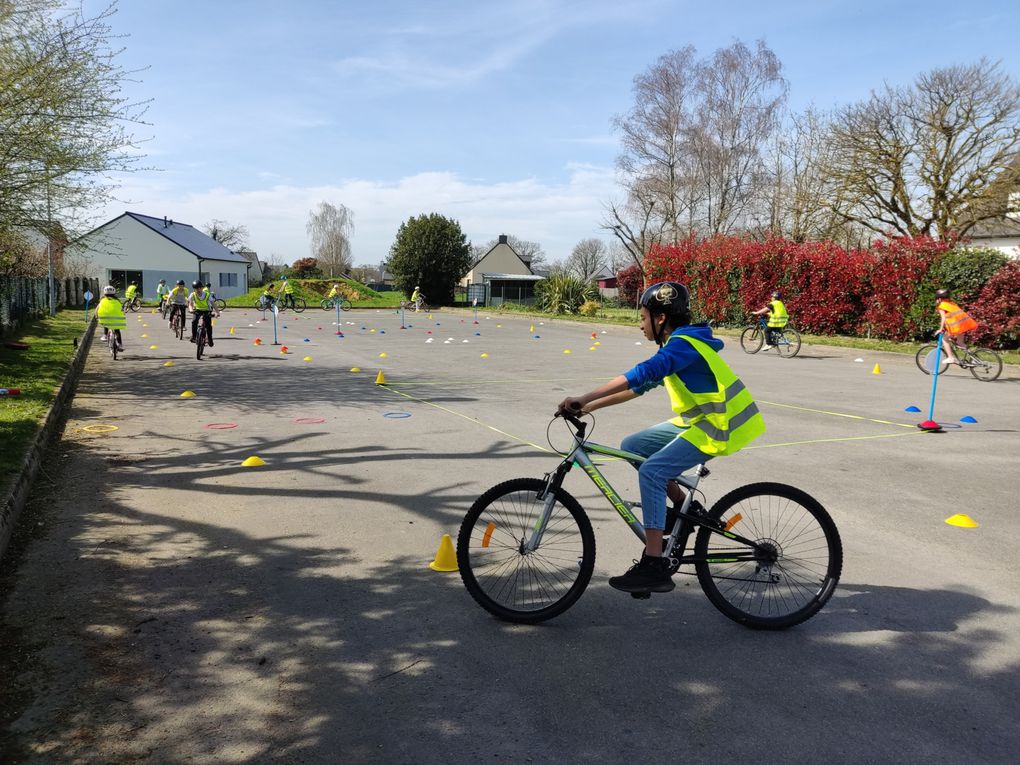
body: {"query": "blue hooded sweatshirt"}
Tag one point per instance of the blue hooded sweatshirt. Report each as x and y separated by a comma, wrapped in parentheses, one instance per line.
(680, 358)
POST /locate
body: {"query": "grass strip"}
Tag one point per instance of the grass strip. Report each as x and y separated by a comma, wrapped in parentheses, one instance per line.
(38, 373)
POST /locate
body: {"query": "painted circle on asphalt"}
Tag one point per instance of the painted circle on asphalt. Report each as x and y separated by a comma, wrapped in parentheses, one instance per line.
(221, 425)
(310, 420)
(100, 428)
(396, 415)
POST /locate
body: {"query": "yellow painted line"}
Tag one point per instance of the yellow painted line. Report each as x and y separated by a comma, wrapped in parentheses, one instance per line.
(464, 416)
(835, 414)
(833, 440)
(502, 381)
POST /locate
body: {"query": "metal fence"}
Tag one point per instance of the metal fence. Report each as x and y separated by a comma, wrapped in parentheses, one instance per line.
(23, 298)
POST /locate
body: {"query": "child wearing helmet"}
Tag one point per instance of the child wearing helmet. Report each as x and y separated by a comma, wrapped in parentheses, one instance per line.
(110, 314)
(778, 318)
(201, 304)
(716, 415)
(417, 297)
(954, 324)
(178, 299)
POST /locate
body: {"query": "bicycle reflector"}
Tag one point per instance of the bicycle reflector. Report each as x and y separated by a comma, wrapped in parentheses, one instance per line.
(488, 534)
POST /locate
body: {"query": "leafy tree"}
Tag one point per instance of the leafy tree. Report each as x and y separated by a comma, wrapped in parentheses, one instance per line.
(330, 228)
(64, 123)
(306, 268)
(432, 252)
(233, 237)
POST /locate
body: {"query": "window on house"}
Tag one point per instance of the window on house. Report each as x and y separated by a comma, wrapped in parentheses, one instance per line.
(228, 280)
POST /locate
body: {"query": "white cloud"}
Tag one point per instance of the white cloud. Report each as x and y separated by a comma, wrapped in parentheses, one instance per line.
(557, 215)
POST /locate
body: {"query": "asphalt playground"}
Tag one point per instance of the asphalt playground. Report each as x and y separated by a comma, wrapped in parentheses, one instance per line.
(197, 610)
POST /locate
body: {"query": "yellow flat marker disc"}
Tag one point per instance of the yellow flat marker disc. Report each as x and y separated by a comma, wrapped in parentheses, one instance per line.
(100, 428)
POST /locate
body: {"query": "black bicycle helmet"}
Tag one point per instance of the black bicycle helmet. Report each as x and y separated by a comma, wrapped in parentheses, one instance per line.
(942, 293)
(777, 295)
(180, 282)
(671, 299)
(197, 285)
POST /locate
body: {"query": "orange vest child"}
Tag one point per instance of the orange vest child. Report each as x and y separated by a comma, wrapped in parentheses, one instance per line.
(958, 321)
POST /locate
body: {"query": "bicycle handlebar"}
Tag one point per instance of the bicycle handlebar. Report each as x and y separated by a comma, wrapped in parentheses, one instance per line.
(577, 422)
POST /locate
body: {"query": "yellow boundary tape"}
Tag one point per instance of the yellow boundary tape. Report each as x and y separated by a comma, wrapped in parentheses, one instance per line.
(914, 431)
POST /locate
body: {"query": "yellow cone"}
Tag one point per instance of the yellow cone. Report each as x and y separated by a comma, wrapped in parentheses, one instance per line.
(446, 558)
(383, 355)
(168, 363)
(568, 351)
(153, 347)
(231, 330)
(145, 334)
(964, 521)
(145, 325)
(188, 394)
(531, 328)
(253, 461)
(485, 355)
(355, 369)
(380, 379)
(307, 358)
(877, 370)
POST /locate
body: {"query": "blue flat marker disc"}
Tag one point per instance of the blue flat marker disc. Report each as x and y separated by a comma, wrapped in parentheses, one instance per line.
(396, 415)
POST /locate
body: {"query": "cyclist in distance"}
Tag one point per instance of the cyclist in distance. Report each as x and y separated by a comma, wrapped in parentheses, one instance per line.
(161, 291)
(778, 318)
(201, 305)
(417, 297)
(131, 292)
(716, 415)
(110, 315)
(288, 292)
(333, 293)
(178, 297)
(954, 323)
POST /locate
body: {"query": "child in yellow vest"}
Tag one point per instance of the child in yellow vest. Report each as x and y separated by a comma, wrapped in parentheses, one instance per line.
(110, 314)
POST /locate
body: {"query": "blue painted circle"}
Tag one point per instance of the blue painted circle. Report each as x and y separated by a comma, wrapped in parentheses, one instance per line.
(396, 415)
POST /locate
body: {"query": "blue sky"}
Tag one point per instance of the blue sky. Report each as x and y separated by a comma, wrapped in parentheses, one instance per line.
(496, 114)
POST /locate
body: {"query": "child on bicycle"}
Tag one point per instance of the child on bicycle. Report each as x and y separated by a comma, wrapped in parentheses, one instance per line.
(131, 292)
(201, 305)
(778, 318)
(417, 298)
(161, 292)
(334, 293)
(715, 416)
(110, 314)
(954, 324)
(288, 292)
(178, 299)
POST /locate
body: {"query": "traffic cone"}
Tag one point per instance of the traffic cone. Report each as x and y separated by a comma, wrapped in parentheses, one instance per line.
(231, 330)
(964, 521)
(877, 370)
(446, 558)
(355, 369)
(188, 394)
(380, 379)
(253, 461)
(168, 363)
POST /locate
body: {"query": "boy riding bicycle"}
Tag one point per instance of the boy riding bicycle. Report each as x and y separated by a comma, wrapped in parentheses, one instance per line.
(716, 415)
(778, 318)
(110, 314)
(417, 298)
(201, 305)
(178, 299)
(161, 292)
(954, 324)
(288, 292)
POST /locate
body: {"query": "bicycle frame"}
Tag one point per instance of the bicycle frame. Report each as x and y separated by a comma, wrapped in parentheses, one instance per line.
(678, 535)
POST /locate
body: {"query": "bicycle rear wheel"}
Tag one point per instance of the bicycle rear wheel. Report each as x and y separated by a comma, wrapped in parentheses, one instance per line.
(326, 305)
(299, 305)
(799, 566)
(345, 305)
(514, 585)
(985, 364)
(751, 339)
(789, 342)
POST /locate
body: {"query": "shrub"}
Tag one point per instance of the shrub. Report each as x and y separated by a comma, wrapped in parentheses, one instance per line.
(997, 309)
(562, 293)
(306, 268)
(590, 308)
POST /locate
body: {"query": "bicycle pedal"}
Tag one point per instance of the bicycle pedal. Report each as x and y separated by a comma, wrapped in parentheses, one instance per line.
(641, 595)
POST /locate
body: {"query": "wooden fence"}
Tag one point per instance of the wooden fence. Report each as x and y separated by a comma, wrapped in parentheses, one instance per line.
(23, 298)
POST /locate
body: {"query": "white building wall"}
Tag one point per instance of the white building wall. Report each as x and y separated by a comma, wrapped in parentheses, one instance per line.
(501, 259)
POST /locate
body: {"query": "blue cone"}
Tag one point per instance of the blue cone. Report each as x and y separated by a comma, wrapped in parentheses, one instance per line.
(911, 409)
(968, 418)
(478, 334)
(306, 339)
(382, 331)
(538, 337)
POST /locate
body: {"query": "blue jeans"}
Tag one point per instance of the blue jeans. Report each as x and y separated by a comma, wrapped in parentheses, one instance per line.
(668, 456)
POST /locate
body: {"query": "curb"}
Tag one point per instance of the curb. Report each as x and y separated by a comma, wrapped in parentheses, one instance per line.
(14, 502)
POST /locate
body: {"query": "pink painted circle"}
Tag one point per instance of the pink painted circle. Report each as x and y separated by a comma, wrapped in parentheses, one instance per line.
(310, 420)
(221, 425)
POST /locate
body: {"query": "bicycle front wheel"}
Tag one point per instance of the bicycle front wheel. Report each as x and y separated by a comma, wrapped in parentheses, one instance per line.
(519, 586)
(797, 566)
(789, 343)
(325, 305)
(985, 364)
(921, 358)
(751, 339)
(345, 305)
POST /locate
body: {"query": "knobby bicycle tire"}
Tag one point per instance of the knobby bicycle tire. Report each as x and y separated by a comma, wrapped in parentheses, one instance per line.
(200, 342)
(220, 304)
(984, 363)
(789, 342)
(518, 587)
(751, 339)
(808, 556)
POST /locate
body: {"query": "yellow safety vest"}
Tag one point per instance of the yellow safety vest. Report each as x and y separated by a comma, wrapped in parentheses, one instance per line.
(333, 293)
(201, 303)
(130, 292)
(111, 313)
(721, 422)
(778, 316)
(287, 288)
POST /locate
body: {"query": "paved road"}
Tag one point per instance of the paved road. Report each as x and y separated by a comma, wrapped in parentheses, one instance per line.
(172, 605)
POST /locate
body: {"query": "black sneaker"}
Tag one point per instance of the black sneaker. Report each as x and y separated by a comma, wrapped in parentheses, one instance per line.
(646, 575)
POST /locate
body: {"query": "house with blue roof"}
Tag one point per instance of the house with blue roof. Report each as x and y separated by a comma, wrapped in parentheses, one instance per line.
(143, 249)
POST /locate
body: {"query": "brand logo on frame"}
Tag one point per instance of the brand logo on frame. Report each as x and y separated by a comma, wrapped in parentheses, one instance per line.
(621, 508)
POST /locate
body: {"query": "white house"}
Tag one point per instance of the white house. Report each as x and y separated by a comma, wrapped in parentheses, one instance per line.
(142, 249)
(499, 276)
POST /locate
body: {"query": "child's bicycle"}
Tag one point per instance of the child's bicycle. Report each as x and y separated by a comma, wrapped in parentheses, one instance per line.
(767, 555)
(330, 304)
(984, 363)
(786, 339)
(132, 304)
